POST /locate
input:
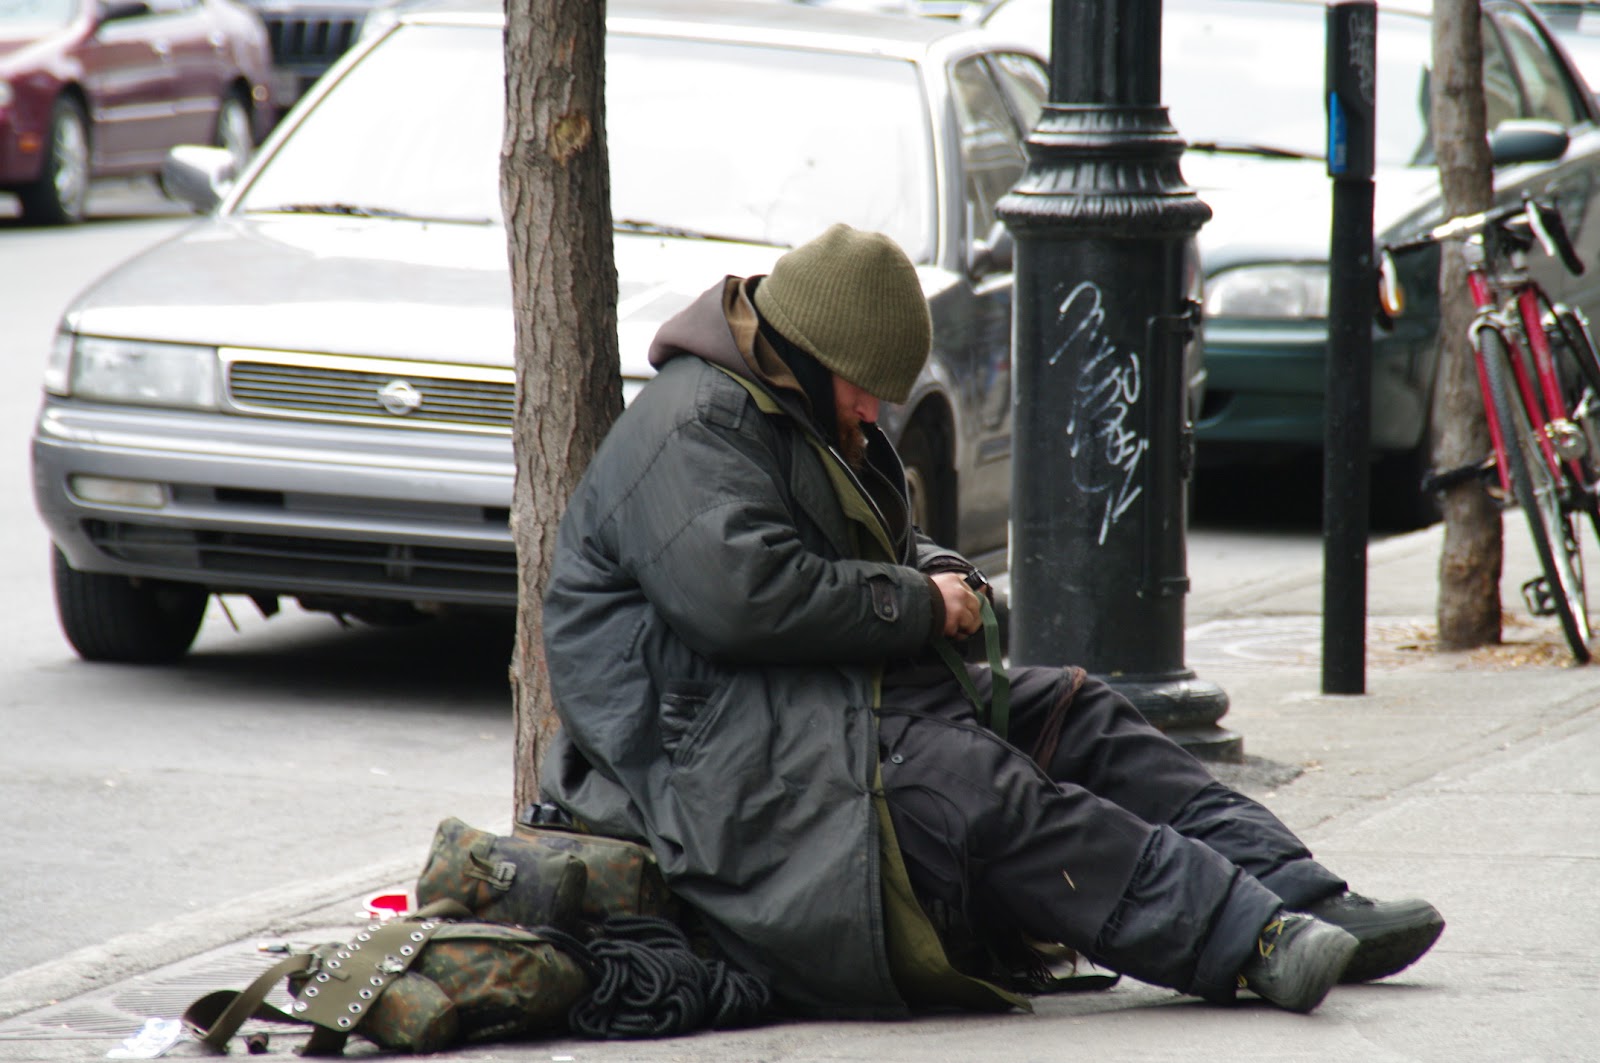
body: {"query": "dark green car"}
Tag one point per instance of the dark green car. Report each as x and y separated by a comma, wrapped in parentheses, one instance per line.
(1244, 83)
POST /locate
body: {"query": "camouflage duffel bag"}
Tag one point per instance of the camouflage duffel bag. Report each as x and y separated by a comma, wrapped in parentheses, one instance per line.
(418, 984)
(543, 875)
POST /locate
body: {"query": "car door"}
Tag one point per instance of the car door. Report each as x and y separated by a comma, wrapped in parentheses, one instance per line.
(1518, 52)
(990, 132)
(197, 53)
(128, 81)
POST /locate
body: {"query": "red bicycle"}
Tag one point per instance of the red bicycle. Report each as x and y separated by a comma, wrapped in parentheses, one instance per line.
(1540, 378)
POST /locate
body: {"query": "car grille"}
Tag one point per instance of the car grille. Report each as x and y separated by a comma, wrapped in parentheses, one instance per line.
(353, 390)
(248, 561)
(310, 42)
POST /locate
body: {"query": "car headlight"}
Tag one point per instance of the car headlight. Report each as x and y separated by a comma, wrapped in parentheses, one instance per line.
(1282, 291)
(150, 374)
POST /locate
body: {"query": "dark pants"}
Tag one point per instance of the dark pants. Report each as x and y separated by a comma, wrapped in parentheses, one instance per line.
(1116, 842)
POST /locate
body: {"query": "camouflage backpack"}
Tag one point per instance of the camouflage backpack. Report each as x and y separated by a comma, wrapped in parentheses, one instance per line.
(509, 939)
(543, 875)
(418, 984)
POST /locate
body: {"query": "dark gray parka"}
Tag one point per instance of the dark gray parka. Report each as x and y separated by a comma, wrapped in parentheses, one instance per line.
(715, 639)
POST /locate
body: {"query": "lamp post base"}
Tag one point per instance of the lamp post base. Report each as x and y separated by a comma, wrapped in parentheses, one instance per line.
(1186, 709)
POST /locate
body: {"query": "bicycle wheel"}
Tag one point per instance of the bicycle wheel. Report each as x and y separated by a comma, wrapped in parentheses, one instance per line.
(1577, 435)
(1538, 493)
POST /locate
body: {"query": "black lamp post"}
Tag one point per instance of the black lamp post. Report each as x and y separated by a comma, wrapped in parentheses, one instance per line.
(1103, 224)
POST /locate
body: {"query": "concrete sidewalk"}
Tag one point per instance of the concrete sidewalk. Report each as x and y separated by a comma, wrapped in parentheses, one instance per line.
(1469, 779)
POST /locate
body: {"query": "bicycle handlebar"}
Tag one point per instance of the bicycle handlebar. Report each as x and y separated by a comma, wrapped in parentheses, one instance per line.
(1543, 220)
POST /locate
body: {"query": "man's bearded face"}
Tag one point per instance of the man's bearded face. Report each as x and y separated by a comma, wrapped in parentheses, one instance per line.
(853, 408)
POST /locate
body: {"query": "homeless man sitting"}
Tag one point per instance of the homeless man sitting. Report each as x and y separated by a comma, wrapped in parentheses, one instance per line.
(737, 628)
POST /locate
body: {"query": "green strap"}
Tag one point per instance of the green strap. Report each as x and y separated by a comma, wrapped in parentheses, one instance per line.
(997, 714)
(216, 1017)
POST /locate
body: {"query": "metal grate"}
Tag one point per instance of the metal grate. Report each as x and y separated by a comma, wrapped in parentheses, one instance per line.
(112, 1014)
(342, 392)
(310, 42)
(487, 576)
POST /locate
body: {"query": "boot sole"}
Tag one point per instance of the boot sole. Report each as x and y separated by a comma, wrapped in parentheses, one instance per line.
(1392, 951)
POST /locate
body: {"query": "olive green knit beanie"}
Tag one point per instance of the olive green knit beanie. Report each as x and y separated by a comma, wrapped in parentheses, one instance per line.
(851, 300)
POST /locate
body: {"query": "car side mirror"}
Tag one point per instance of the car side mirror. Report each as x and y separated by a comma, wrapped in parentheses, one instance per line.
(118, 10)
(995, 253)
(1527, 140)
(196, 175)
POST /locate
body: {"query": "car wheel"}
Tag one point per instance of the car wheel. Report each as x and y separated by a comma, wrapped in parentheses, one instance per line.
(61, 194)
(236, 131)
(930, 483)
(1399, 502)
(114, 618)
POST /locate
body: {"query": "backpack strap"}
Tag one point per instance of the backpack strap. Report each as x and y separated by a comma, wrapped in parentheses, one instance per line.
(997, 714)
(340, 989)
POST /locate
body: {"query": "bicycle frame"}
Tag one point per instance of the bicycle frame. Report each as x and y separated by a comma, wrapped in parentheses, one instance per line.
(1519, 319)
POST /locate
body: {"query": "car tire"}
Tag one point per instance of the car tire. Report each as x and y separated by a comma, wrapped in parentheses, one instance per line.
(114, 618)
(60, 196)
(1399, 501)
(930, 482)
(235, 130)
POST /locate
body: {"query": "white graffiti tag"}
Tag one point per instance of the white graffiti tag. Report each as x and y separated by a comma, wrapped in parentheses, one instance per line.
(1105, 449)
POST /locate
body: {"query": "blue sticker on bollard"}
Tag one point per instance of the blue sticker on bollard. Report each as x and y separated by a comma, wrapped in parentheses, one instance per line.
(1338, 137)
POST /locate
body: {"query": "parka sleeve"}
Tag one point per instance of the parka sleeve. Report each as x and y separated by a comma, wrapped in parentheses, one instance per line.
(709, 533)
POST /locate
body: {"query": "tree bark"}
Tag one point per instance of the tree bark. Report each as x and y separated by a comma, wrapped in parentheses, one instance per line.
(556, 196)
(1470, 562)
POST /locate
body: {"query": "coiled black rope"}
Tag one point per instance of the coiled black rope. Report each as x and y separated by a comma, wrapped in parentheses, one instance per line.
(648, 982)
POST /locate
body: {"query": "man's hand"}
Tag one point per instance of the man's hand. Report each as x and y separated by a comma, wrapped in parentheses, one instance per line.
(963, 614)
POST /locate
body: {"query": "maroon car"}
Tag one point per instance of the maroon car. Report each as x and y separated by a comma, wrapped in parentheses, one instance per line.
(102, 88)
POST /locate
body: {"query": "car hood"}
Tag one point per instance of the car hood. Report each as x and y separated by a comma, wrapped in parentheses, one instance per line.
(657, 277)
(1281, 209)
(397, 289)
(376, 287)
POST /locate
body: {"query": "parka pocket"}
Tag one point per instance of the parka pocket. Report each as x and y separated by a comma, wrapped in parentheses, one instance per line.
(684, 714)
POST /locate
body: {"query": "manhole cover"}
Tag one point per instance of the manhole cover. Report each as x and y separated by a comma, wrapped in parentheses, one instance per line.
(1295, 642)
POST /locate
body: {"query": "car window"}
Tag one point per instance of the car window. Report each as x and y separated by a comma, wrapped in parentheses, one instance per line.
(21, 19)
(1546, 87)
(768, 145)
(1502, 96)
(394, 136)
(992, 158)
(1026, 84)
(828, 138)
(1242, 72)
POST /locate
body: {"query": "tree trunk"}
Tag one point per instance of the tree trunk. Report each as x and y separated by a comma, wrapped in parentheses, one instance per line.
(1469, 565)
(556, 195)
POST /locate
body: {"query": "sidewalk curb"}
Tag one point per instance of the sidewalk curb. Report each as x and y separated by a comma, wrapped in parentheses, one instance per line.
(130, 955)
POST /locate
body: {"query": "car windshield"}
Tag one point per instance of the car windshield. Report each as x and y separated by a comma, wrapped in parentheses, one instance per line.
(414, 130)
(29, 18)
(767, 145)
(1246, 75)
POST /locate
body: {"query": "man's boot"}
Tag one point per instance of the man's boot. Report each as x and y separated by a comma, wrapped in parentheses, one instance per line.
(1393, 934)
(1298, 959)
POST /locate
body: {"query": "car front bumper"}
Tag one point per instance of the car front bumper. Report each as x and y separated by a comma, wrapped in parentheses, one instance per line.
(1267, 385)
(329, 513)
